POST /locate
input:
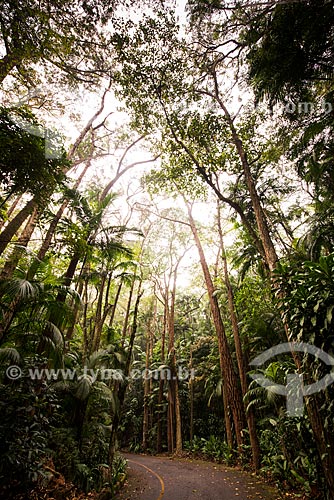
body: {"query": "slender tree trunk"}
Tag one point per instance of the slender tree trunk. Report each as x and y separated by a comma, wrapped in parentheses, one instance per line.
(160, 413)
(84, 321)
(226, 403)
(178, 420)
(61, 296)
(238, 350)
(173, 383)
(107, 306)
(14, 225)
(22, 241)
(261, 220)
(152, 340)
(146, 388)
(170, 418)
(51, 231)
(98, 315)
(233, 393)
(113, 309)
(122, 389)
(191, 398)
(227, 418)
(70, 274)
(127, 313)
(11, 210)
(161, 380)
(54, 223)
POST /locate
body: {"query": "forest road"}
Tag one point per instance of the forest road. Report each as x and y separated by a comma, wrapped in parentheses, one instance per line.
(165, 478)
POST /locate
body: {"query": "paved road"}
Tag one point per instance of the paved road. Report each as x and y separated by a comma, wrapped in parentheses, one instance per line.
(161, 478)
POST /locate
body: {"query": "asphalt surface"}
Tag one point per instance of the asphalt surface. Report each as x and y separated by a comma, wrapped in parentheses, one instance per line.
(161, 478)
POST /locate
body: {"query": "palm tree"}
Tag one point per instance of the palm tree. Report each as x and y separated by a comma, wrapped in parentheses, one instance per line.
(28, 309)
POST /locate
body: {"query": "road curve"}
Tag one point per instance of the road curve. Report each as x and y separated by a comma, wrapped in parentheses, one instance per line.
(164, 478)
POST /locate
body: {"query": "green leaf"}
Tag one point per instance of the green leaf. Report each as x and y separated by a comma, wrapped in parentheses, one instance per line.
(329, 313)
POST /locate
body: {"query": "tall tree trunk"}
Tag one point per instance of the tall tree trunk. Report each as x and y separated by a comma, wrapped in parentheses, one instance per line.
(67, 280)
(226, 401)
(69, 275)
(86, 339)
(161, 380)
(61, 296)
(178, 420)
(238, 350)
(153, 332)
(174, 400)
(107, 307)
(127, 313)
(122, 389)
(261, 219)
(113, 309)
(98, 315)
(230, 380)
(171, 381)
(147, 386)
(191, 399)
(326, 453)
(170, 418)
(227, 418)
(22, 242)
(11, 209)
(14, 225)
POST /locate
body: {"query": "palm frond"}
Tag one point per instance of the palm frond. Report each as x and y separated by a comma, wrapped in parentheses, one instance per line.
(10, 354)
(54, 334)
(84, 387)
(19, 288)
(97, 357)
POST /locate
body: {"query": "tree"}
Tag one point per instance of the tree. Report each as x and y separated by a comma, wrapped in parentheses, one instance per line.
(234, 397)
(62, 34)
(307, 29)
(242, 367)
(301, 81)
(24, 165)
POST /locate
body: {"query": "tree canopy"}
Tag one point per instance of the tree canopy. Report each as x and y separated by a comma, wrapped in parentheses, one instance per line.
(183, 228)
